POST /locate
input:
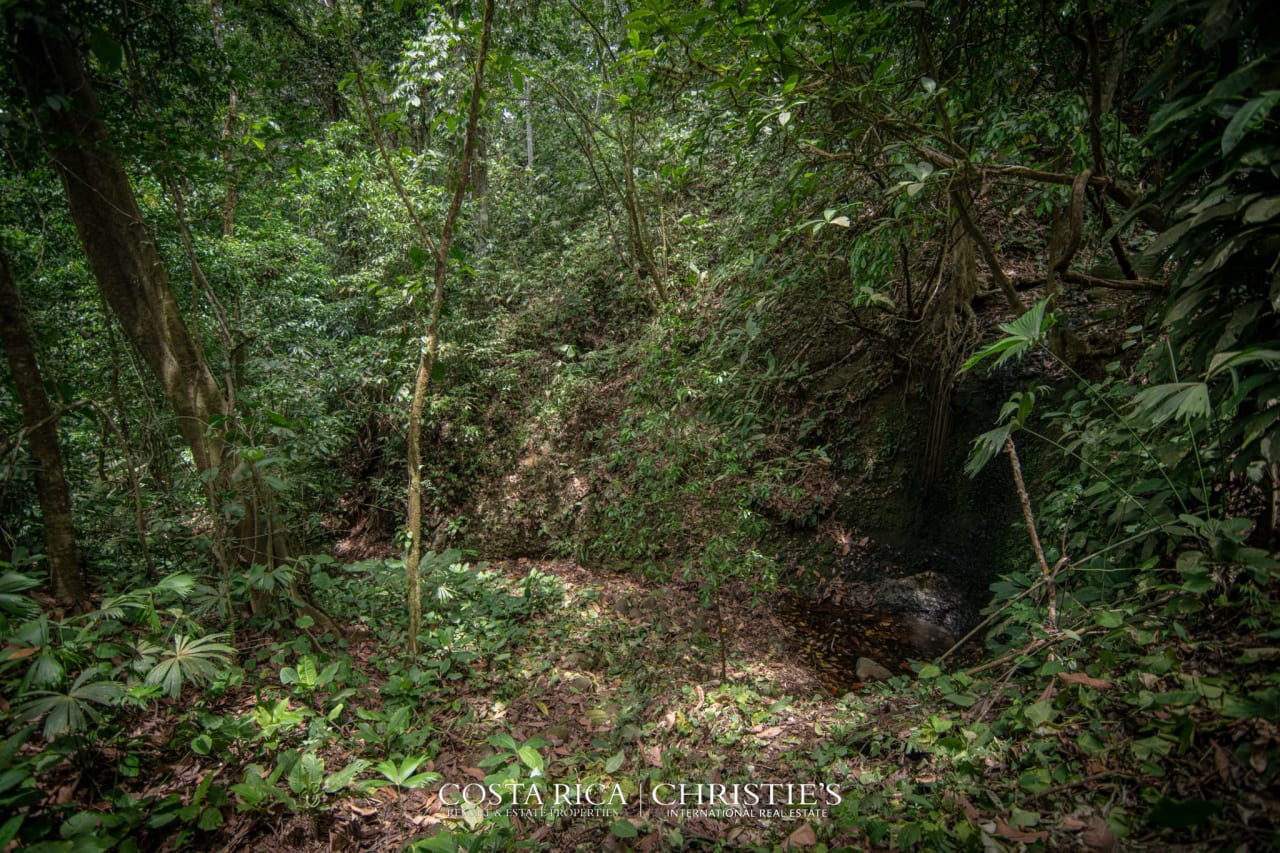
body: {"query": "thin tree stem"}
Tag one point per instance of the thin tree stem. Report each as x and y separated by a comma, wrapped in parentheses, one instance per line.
(1024, 498)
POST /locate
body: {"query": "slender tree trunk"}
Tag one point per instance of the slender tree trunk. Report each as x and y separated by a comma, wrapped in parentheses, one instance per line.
(528, 127)
(427, 354)
(117, 244)
(480, 181)
(228, 130)
(426, 362)
(41, 427)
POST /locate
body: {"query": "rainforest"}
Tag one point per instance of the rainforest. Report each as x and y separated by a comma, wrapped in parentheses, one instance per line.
(639, 425)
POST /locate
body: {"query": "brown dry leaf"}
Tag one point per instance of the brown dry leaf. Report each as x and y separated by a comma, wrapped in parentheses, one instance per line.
(770, 733)
(475, 773)
(1221, 761)
(1086, 680)
(361, 810)
(19, 652)
(652, 755)
(804, 836)
(1098, 836)
(67, 793)
(970, 810)
(1013, 834)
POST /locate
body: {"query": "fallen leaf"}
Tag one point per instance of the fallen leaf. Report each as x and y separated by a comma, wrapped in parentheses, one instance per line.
(652, 755)
(770, 733)
(475, 773)
(1098, 836)
(1086, 680)
(18, 653)
(970, 810)
(804, 836)
(1221, 761)
(1006, 831)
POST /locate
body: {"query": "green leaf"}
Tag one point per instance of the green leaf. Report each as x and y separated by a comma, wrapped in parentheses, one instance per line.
(1021, 335)
(1035, 780)
(1109, 618)
(210, 819)
(1250, 355)
(1263, 210)
(615, 762)
(1247, 119)
(1262, 704)
(985, 447)
(1041, 712)
(1183, 401)
(531, 758)
(335, 782)
(624, 829)
(1151, 747)
(307, 671)
(9, 830)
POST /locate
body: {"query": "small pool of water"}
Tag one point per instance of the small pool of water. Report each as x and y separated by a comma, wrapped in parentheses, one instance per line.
(830, 638)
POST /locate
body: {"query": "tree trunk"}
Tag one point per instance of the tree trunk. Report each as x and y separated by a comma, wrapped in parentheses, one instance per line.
(427, 354)
(117, 244)
(41, 427)
(228, 131)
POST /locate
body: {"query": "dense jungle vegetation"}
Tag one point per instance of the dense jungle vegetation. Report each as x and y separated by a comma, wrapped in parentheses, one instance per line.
(637, 424)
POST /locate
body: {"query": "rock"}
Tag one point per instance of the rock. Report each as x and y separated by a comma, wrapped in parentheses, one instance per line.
(929, 597)
(869, 670)
(928, 640)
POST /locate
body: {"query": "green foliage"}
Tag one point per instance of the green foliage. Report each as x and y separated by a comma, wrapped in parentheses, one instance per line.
(1020, 336)
(190, 660)
(13, 604)
(1222, 198)
(70, 712)
(403, 774)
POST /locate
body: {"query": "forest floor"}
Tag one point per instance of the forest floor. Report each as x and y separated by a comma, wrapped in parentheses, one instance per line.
(616, 686)
(557, 708)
